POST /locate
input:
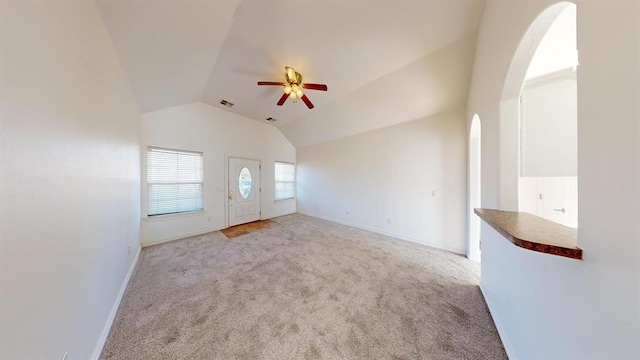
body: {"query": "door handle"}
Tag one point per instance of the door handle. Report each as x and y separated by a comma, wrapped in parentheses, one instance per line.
(560, 210)
(231, 195)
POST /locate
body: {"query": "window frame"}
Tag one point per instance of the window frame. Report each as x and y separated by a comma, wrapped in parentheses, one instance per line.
(150, 183)
(276, 182)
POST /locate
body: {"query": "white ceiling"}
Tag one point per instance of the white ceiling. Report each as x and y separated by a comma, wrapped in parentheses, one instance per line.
(167, 47)
(384, 61)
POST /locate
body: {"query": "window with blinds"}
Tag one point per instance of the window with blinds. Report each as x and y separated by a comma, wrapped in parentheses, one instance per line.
(174, 181)
(285, 180)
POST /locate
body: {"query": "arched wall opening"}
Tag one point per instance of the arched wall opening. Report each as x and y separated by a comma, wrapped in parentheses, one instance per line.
(538, 120)
(475, 135)
(578, 309)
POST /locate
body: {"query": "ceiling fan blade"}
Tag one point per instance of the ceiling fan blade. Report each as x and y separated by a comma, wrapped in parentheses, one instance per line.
(307, 101)
(283, 99)
(270, 83)
(321, 87)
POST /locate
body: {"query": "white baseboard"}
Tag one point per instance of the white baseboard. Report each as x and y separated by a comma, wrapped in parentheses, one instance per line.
(397, 236)
(503, 336)
(200, 232)
(158, 242)
(266, 216)
(474, 257)
(114, 310)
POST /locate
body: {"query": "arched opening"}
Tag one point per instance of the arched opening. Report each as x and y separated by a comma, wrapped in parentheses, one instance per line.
(538, 120)
(473, 246)
(548, 184)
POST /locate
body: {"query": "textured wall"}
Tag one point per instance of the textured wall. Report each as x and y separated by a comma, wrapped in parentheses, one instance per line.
(384, 180)
(70, 180)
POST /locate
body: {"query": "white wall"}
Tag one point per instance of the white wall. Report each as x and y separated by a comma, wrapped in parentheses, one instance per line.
(547, 306)
(218, 134)
(383, 180)
(554, 198)
(550, 127)
(509, 135)
(557, 49)
(69, 181)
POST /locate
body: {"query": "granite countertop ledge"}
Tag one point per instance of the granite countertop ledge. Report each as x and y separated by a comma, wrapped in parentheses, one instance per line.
(533, 232)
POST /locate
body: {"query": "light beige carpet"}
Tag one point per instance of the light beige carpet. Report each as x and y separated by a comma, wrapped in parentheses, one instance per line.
(302, 289)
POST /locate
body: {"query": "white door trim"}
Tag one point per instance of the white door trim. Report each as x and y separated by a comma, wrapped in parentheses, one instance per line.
(226, 185)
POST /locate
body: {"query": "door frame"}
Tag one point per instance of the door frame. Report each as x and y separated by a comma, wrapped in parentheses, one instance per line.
(474, 190)
(226, 185)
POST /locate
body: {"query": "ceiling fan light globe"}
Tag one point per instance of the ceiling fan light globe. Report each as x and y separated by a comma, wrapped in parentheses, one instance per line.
(299, 93)
(293, 95)
(287, 89)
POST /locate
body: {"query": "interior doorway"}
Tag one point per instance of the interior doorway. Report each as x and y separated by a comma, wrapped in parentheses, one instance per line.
(244, 191)
(473, 246)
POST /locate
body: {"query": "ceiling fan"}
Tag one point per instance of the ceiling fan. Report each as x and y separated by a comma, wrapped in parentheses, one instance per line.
(293, 87)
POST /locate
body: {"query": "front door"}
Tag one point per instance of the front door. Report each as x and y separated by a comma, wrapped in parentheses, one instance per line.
(244, 191)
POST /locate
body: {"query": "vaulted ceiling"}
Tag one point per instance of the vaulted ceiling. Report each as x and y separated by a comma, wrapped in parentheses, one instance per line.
(385, 62)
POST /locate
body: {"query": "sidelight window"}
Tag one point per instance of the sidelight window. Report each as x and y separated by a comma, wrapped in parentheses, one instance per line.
(285, 180)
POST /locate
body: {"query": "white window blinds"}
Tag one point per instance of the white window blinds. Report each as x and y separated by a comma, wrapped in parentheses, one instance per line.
(174, 181)
(285, 180)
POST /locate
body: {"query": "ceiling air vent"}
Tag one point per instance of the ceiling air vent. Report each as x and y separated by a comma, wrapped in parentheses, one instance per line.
(270, 119)
(226, 103)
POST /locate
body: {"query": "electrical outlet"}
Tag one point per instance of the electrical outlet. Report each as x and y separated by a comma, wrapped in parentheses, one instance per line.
(388, 220)
(129, 250)
(434, 193)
